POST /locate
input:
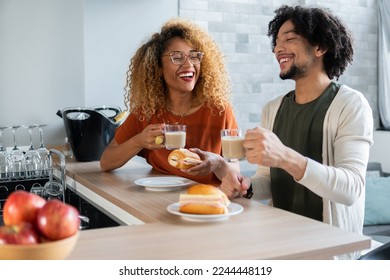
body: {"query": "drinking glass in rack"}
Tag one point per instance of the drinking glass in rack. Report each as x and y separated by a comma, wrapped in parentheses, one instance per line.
(32, 159)
(37, 188)
(53, 188)
(4, 157)
(16, 157)
(44, 152)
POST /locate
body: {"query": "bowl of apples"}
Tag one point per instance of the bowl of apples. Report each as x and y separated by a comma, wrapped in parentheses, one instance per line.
(36, 229)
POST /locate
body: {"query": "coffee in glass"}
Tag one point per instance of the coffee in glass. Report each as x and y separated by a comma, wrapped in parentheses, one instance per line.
(174, 136)
(232, 144)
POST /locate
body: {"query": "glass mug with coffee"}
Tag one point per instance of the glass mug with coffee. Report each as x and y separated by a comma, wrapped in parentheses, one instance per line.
(174, 136)
(232, 144)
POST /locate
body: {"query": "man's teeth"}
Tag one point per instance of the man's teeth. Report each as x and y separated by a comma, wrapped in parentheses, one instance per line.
(186, 75)
(284, 60)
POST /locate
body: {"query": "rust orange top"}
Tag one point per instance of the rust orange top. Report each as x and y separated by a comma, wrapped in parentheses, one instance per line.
(203, 132)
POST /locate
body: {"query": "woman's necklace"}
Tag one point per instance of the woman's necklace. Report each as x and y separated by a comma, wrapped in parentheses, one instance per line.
(181, 116)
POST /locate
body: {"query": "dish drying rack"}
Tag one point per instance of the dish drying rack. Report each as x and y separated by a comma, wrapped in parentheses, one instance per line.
(56, 174)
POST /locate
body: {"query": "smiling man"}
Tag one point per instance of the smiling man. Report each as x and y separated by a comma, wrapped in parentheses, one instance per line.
(313, 147)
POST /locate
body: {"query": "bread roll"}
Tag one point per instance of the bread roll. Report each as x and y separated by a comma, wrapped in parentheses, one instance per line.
(203, 199)
(183, 158)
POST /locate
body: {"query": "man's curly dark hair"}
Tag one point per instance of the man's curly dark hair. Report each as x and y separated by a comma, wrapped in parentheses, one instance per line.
(319, 27)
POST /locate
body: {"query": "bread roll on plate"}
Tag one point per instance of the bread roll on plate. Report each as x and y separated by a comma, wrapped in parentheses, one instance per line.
(203, 199)
(183, 158)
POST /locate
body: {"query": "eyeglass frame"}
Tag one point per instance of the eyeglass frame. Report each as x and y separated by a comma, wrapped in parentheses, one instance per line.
(199, 55)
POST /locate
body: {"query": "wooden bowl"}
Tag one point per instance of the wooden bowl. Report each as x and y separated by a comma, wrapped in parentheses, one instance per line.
(49, 250)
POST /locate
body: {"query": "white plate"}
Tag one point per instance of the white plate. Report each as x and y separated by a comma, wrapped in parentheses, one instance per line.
(234, 209)
(163, 184)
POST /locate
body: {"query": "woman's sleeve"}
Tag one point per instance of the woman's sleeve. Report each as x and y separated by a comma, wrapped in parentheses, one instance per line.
(127, 129)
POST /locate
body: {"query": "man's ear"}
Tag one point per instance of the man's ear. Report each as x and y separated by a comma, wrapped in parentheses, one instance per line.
(320, 51)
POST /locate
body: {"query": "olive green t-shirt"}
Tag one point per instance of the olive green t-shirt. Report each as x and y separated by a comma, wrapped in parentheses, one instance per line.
(299, 126)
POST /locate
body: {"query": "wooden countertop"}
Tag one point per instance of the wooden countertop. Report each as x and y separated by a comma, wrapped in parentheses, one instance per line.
(259, 232)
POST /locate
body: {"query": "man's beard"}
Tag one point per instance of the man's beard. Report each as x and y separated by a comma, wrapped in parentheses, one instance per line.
(293, 73)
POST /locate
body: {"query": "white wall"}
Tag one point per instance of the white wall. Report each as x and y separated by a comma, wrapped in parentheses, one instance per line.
(62, 53)
(380, 149)
(114, 29)
(41, 63)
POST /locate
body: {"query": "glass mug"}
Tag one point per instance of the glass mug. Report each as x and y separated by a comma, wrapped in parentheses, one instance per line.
(232, 144)
(53, 189)
(174, 136)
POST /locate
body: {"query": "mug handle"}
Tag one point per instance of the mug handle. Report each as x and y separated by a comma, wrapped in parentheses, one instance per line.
(115, 109)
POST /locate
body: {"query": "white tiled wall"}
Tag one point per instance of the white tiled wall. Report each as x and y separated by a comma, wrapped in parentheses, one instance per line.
(240, 27)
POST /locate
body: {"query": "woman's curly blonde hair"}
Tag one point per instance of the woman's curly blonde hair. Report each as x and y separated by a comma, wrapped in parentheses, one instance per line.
(145, 86)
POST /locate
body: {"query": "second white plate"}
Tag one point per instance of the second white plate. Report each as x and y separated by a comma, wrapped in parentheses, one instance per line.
(234, 209)
(163, 184)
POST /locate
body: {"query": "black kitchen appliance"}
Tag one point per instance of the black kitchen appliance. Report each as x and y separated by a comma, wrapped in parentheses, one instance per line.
(89, 130)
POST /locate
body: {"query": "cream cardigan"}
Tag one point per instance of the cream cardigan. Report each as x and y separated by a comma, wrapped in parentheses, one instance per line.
(340, 179)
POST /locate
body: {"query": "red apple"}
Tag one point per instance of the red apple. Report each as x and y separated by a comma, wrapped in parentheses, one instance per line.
(22, 206)
(57, 220)
(22, 234)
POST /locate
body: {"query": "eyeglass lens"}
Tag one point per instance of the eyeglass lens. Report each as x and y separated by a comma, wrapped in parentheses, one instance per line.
(179, 57)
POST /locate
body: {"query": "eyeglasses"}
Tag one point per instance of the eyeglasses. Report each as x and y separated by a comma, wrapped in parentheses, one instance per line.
(179, 58)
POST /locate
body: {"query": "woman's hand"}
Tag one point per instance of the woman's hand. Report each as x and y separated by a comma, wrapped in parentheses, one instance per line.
(115, 155)
(150, 136)
(211, 162)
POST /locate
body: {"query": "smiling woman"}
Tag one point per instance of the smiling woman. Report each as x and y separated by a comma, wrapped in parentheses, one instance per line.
(177, 76)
